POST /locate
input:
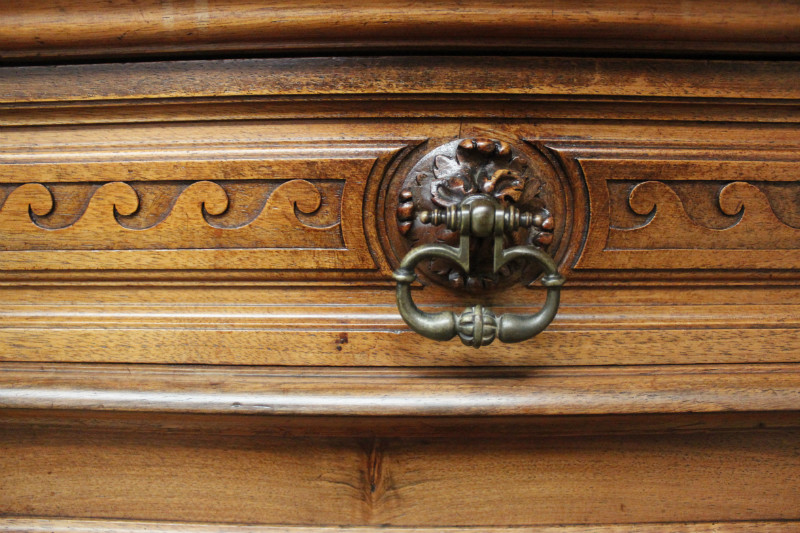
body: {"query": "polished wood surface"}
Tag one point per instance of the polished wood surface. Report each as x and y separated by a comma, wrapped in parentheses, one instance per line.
(122, 199)
(66, 30)
(567, 391)
(91, 526)
(405, 76)
(241, 476)
(198, 228)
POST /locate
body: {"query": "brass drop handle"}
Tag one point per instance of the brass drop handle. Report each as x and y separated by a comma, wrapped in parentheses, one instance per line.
(478, 215)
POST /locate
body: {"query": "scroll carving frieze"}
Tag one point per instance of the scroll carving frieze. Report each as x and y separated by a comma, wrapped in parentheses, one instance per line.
(679, 209)
(251, 210)
(753, 224)
(190, 218)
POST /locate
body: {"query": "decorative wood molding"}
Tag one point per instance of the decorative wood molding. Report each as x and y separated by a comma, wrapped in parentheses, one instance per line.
(679, 208)
(605, 128)
(390, 107)
(67, 30)
(280, 325)
(403, 77)
(271, 208)
(401, 392)
(754, 224)
(191, 218)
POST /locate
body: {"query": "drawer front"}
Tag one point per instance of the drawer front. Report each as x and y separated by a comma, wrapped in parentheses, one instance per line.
(254, 217)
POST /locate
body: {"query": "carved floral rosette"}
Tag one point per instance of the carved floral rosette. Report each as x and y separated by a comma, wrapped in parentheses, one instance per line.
(450, 173)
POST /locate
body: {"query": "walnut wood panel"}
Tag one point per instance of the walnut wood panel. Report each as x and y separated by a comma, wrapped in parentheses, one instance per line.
(36, 525)
(197, 319)
(123, 197)
(68, 29)
(243, 346)
(163, 318)
(334, 136)
(257, 479)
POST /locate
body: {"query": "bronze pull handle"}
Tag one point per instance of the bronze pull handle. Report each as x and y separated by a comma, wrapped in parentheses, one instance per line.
(480, 216)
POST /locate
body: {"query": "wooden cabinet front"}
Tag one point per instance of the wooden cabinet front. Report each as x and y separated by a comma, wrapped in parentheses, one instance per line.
(199, 321)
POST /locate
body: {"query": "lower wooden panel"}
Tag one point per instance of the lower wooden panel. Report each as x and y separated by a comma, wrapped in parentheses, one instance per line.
(226, 476)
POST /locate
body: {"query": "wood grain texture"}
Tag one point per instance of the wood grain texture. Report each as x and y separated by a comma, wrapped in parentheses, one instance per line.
(301, 224)
(423, 427)
(185, 327)
(402, 76)
(389, 107)
(41, 525)
(197, 328)
(71, 171)
(63, 160)
(399, 392)
(433, 482)
(741, 204)
(68, 29)
(151, 199)
(295, 325)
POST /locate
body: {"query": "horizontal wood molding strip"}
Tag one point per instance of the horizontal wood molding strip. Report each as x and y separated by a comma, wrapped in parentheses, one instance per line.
(402, 392)
(42, 525)
(382, 316)
(42, 30)
(403, 76)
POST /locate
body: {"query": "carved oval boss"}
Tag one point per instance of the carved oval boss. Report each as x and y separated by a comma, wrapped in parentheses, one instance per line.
(526, 179)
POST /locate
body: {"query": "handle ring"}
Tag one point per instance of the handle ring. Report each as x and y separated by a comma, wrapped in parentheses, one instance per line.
(476, 326)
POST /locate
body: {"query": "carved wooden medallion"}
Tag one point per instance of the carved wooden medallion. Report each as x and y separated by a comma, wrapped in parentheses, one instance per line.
(453, 171)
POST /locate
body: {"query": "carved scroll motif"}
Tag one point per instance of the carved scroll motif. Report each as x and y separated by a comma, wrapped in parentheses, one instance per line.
(188, 224)
(754, 224)
(263, 210)
(686, 209)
